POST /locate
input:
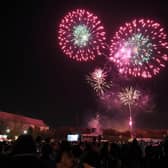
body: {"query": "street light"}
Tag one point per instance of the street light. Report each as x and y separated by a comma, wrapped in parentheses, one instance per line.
(25, 132)
(8, 130)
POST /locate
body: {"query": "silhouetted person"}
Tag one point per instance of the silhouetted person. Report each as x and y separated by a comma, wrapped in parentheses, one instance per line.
(24, 153)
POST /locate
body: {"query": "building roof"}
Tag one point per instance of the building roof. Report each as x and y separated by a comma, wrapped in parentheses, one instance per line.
(26, 120)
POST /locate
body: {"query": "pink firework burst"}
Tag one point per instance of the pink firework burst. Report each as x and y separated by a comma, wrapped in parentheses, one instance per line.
(139, 48)
(81, 35)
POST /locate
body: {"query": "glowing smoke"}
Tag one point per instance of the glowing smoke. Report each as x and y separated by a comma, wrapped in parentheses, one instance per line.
(112, 114)
(96, 124)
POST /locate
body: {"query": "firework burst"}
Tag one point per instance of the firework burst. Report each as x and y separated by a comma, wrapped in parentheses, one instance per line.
(129, 96)
(139, 48)
(98, 81)
(81, 35)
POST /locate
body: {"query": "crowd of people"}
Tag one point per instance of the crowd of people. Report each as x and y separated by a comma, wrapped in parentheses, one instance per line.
(26, 152)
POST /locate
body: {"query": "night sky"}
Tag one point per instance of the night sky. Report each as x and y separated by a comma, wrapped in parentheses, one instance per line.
(38, 80)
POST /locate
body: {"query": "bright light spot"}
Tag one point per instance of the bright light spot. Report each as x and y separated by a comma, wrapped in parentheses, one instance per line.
(123, 50)
(130, 123)
(25, 132)
(99, 73)
(16, 137)
(111, 58)
(8, 130)
(3, 137)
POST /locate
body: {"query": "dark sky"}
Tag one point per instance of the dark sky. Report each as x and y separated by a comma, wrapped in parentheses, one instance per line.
(38, 80)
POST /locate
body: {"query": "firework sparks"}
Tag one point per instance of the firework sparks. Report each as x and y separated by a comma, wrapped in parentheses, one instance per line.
(129, 95)
(139, 48)
(98, 81)
(81, 35)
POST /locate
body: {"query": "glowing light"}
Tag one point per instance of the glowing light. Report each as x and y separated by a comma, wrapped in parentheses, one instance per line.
(139, 48)
(3, 137)
(130, 123)
(81, 35)
(98, 81)
(16, 137)
(25, 132)
(8, 130)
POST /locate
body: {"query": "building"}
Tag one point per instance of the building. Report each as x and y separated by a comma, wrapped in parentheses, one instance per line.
(20, 123)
